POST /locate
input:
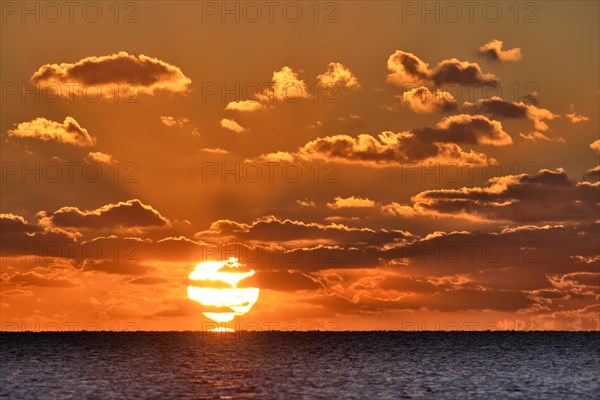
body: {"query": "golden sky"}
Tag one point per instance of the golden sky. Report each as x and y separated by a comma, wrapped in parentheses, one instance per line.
(378, 165)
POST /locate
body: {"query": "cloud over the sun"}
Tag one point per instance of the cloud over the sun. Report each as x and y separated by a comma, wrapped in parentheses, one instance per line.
(492, 50)
(43, 129)
(116, 74)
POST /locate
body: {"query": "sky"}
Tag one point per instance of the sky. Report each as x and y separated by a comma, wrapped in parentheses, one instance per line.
(377, 165)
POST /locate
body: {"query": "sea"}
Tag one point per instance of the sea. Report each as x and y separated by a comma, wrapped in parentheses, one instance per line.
(300, 365)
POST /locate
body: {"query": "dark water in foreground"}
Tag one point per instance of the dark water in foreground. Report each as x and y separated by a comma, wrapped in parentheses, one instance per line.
(369, 365)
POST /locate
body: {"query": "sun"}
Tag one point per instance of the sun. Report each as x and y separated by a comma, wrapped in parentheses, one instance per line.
(214, 284)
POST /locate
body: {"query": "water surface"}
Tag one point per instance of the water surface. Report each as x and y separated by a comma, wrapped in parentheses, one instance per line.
(326, 365)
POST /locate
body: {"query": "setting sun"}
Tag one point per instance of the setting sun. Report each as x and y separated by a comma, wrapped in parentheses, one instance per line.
(219, 291)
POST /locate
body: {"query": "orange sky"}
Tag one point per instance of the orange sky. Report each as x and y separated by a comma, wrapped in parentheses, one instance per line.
(377, 168)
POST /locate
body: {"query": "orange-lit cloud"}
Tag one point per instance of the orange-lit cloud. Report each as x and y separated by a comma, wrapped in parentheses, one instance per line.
(407, 68)
(545, 196)
(390, 149)
(272, 228)
(498, 108)
(244, 105)
(538, 136)
(338, 75)
(216, 150)
(306, 203)
(69, 131)
(287, 86)
(492, 50)
(351, 202)
(119, 74)
(130, 213)
(575, 118)
(232, 125)
(172, 121)
(422, 100)
(100, 157)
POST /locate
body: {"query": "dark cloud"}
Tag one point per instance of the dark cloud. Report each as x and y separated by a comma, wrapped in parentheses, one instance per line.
(35, 278)
(545, 196)
(116, 267)
(131, 73)
(20, 238)
(130, 213)
(425, 145)
(496, 107)
(406, 68)
(592, 175)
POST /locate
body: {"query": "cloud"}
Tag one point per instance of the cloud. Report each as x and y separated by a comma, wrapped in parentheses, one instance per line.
(148, 280)
(36, 278)
(535, 137)
(244, 105)
(399, 210)
(492, 50)
(592, 175)
(338, 75)
(595, 145)
(99, 157)
(576, 118)
(426, 145)
(421, 100)
(275, 229)
(387, 150)
(470, 129)
(172, 121)
(232, 125)
(306, 203)
(493, 259)
(115, 267)
(407, 68)
(498, 108)
(215, 150)
(577, 283)
(351, 202)
(19, 238)
(130, 213)
(116, 74)
(545, 196)
(287, 86)
(586, 318)
(69, 131)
